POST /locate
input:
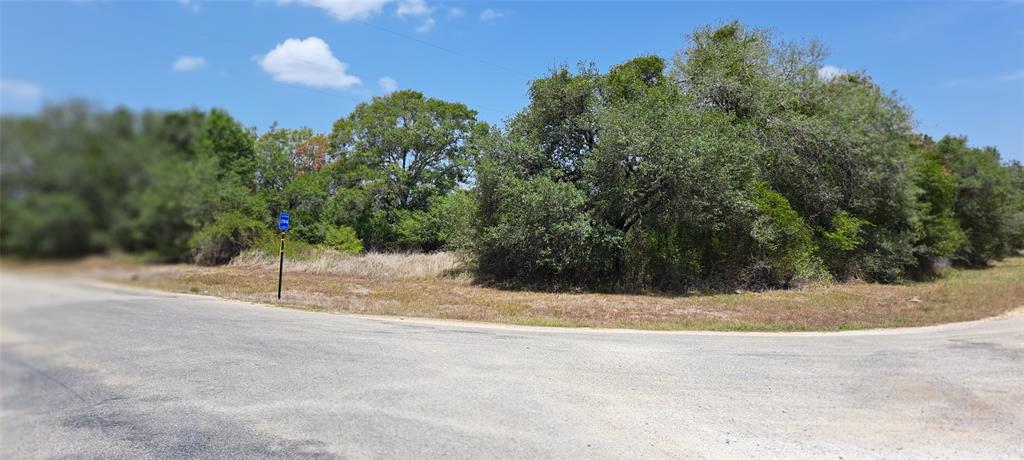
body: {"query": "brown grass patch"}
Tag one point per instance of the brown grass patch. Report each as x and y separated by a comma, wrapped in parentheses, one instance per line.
(421, 285)
(373, 265)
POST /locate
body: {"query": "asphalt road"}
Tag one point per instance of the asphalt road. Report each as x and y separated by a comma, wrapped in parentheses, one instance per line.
(95, 371)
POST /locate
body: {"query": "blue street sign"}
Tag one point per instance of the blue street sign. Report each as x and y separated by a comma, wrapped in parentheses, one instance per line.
(282, 223)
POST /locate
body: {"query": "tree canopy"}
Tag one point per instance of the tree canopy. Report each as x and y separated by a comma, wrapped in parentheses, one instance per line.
(732, 164)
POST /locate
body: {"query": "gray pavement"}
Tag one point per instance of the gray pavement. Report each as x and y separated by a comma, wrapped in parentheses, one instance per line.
(96, 371)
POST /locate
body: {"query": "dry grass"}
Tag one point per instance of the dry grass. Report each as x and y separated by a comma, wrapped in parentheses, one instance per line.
(373, 265)
(415, 285)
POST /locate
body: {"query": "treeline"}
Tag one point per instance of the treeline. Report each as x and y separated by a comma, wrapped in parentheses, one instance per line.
(195, 186)
(735, 164)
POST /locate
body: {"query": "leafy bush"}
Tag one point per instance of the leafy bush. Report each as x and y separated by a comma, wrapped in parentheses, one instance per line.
(344, 239)
(312, 233)
(845, 234)
(270, 244)
(229, 234)
(783, 242)
(840, 241)
(47, 225)
(541, 234)
(450, 219)
(410, 231)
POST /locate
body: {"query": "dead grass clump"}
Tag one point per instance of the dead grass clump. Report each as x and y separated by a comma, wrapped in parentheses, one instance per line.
(371, 265)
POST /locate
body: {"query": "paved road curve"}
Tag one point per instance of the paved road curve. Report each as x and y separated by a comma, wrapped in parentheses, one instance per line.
(92, 371)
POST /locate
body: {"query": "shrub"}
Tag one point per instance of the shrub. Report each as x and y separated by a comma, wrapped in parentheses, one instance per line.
(270, 244)
(312, 233)
(541, 235)
(344, 239)
(839, 242)
(449, 219)
(410, 232)
(226, 237)
(47, 225)
(845, 235)
(783, 243)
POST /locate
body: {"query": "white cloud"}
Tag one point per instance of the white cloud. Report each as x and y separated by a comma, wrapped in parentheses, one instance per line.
(490, 14)
(828, 72)
(456, 12)
(20, 91)
(387, 84)
(413, 8)
(344, 10)
(417, 8)
(191, 5)
(188, 63)
(426, 26)
(349, 10)
(307, 62)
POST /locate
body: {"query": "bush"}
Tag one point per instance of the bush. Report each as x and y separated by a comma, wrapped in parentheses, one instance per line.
(450, 220)
(344, 239)
(270, 244)
(542, 235)
(314, 233)
(410, 231)
(47, 225)
(225, 238)
(783, 243)
(839, 243)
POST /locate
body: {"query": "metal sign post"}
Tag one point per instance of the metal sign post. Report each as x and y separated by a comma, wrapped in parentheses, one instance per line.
(282, 224)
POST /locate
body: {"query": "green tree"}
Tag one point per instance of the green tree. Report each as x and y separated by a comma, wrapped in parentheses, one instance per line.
(414, 146)
(984, 201)
(396, 154)
(225, 139)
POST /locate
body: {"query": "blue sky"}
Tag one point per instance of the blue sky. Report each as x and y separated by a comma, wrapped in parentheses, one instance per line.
(960, 66)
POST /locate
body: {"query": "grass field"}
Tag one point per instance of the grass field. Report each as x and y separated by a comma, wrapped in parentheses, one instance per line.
(430, 286)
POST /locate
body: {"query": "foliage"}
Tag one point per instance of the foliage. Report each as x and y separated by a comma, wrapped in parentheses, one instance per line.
(344, 239)
(409, 146)
(783, 243)
(943, 236)
(270, 244)
(844, 234)
(540, 233)
(48, 225)
(450, 220)
(986, 201)
(226, 237)
(739, 165)
(733, 165)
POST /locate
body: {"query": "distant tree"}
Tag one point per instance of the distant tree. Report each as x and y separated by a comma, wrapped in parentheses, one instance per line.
(986, 201)
(224, 138)
(67, 178)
